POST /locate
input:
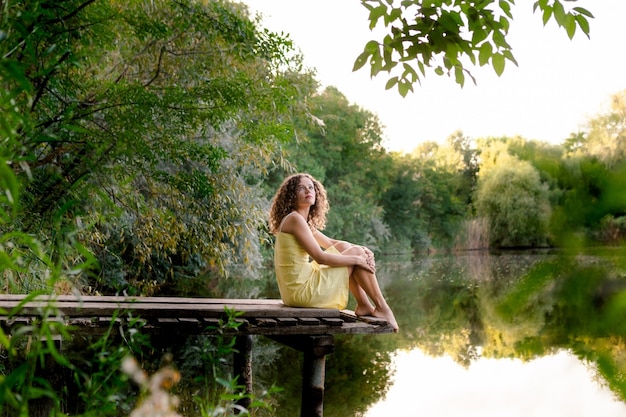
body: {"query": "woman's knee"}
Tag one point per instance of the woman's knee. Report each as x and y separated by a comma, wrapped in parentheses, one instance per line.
(342, 246)
(354, 250)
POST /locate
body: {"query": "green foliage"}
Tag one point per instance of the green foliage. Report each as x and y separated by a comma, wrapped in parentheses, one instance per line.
(149, 123)
(444, 35)
(87, 378)
(425, 202)
(100, 386)
(515, 202)
(28, 350)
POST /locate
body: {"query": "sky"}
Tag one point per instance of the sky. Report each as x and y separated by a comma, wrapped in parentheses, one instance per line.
(557, 86)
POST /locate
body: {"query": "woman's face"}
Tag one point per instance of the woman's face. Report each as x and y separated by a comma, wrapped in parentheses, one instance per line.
(305, 192)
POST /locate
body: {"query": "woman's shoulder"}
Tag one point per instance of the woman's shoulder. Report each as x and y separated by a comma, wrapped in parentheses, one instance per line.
(291, 223)
(287, 219)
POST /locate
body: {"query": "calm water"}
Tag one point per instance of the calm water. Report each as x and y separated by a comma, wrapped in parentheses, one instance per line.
(512, 334)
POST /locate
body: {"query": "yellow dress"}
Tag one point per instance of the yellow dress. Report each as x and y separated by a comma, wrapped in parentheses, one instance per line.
(304, 283)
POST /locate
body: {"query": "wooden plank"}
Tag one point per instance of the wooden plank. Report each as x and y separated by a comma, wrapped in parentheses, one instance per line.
(195, 315)
(138, 299)
(168, 321)
(331, 321)
(73, 308)
(286, 321)
(207, 321)
(263, 322)
(189, 320)
(309, 321)
(350, 315)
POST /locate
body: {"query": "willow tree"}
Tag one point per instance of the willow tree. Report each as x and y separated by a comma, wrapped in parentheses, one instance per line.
(142, 129)
(511, 196)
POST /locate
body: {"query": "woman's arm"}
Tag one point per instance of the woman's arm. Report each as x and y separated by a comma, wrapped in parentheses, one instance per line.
(325, 241)
(297, 226)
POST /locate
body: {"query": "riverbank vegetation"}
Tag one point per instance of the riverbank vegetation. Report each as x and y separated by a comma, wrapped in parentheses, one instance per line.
(142, 142)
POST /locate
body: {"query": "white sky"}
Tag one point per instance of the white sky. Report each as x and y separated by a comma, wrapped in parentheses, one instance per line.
(558, 84)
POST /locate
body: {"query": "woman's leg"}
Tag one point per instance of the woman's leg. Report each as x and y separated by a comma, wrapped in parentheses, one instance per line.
(363, 305)
(363, 284)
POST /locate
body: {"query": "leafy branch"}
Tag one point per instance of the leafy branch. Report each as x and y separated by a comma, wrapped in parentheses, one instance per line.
(443, 35)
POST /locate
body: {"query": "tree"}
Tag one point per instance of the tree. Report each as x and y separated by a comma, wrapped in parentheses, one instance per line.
(148, 125)
(422, 204)
(446, 34)
(511, 196)
(606, 133)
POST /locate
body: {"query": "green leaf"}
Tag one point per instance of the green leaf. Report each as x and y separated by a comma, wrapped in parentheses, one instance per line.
(547, 13)
(570, 25)
(479, 35)
(509, 55)
(360, 61)
(395, 14)
(376, 64)
(404, 88)
(559, 13)
(498, 63)
(371, 47)
(421, 67)
(451, 21)
(542, 4)
(484, 53)
(506, 8)
(583, 11)
(459, 75)
(583, 23)
(375, 14)
(408, 70)
(505, 24)
(499, 39)
(391, 83)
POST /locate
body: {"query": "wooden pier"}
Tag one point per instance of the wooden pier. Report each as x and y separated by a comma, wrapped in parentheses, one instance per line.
(309, 330)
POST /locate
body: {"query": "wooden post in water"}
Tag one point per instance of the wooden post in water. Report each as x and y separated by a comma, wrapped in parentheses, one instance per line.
(242, 364)
(315, 349)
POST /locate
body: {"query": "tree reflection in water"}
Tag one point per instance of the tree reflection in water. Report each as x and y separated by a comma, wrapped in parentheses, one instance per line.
(514, 306)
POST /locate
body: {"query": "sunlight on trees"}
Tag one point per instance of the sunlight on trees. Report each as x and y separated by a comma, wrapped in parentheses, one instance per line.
(606, 139)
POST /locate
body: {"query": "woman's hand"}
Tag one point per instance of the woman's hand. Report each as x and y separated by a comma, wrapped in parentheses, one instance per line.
(363, 263)
(369, 257)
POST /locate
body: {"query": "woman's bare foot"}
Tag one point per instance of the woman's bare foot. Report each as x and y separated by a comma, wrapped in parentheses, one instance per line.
(361, 311)
(387, 314)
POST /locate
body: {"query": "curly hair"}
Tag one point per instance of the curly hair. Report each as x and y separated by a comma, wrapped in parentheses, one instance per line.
(284, 202)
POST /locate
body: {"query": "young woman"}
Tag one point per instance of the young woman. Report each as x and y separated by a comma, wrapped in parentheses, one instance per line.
(312, 269)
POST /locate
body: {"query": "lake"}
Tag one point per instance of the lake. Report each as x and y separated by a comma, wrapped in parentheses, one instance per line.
(529, 333)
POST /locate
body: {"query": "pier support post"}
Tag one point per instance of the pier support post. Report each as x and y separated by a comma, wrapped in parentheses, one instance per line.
(315, 349)
(242, 366)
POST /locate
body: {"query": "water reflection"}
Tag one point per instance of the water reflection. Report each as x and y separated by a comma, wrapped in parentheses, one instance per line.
(551, 386)
(517, 310)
